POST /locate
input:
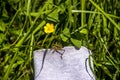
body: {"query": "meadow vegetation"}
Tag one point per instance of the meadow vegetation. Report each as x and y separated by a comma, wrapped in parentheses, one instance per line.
(94, 24)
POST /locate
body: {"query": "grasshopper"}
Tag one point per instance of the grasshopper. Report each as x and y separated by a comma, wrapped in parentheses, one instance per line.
(57, 47)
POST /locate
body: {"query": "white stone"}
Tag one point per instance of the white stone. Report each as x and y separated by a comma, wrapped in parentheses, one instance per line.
(72, 66)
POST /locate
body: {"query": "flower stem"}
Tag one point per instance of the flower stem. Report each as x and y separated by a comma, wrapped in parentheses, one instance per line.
(45, 39)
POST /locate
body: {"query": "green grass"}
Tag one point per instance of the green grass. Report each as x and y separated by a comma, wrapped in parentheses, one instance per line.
(94, 24)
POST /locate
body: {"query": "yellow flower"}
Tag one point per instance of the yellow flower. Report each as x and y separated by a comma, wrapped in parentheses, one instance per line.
(49, 28)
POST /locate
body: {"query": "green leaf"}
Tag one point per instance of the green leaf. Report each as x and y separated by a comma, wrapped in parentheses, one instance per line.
(84, 31)
(2, 37)
(15, 31)
(13, 1)
(63, 37)
(53, 16)
(62, 8)
(105, 69)
(76, 43)
(17, 63)
(66, 32)
(2, 26)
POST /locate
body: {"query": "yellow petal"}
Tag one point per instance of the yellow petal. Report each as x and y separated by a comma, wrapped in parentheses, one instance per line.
(49, 28)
